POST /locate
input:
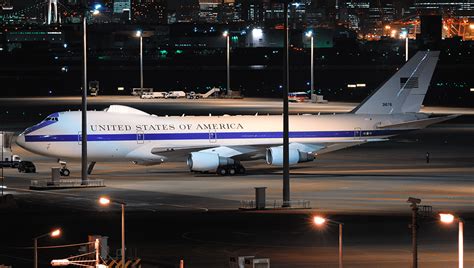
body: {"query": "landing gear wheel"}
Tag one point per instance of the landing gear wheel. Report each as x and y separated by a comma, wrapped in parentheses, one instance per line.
(222, 171)
(64, 172)
(232, 171)
(241, 170)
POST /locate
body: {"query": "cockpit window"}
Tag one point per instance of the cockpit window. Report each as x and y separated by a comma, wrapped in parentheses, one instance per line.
(51, 119)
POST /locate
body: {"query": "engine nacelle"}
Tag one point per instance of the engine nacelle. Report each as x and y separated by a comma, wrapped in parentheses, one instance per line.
(199, 161)
(274, 156)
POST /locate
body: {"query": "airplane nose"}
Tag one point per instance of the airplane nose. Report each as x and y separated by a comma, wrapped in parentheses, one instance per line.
(20, 140)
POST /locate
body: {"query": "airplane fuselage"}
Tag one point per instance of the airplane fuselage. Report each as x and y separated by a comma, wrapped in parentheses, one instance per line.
(119, 137)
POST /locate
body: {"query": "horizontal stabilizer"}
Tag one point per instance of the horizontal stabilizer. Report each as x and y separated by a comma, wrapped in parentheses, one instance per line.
(417, 124)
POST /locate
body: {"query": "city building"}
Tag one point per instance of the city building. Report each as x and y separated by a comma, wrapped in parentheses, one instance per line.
(209, 10)
(5, 5)
(122, 9)
(186, 11)
(149, 12)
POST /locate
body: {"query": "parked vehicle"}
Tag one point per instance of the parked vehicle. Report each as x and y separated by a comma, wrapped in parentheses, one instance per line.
(7, 159)
(26, 167)
(10, 162)
(175, 95)
(137, 91)
(94, 87)
(297, 96)
(194, 95)
(153, 95)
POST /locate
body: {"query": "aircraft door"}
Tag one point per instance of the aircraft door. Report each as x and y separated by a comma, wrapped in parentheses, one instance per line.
(357, 133)
(212, 136)
(140, 137)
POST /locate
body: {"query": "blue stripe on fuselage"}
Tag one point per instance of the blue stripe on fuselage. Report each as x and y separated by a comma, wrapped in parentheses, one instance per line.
(213, 135)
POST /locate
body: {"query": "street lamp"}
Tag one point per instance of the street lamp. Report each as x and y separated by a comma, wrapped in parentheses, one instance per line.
(96, 11)
(54, 233)
(226, 34)
(105, 201)
(309, 34)
(319, 220)
(139, 34)
(448, 219)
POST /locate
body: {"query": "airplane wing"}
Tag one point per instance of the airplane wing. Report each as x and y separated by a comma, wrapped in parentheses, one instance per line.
(235, 152)
(247, 153)
(322, 148)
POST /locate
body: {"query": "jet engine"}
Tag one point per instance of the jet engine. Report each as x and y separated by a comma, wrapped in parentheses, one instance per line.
(199, 161)
(274, 156)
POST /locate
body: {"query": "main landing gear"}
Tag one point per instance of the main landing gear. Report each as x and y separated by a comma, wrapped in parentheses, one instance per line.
(230, 170)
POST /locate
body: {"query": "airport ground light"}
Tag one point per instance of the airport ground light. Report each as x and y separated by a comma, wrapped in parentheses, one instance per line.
(448, 218)
(105, 201)
(55, 233)
(319, 221)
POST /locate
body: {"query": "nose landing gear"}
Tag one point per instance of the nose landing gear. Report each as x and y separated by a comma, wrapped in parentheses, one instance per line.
(64, 171)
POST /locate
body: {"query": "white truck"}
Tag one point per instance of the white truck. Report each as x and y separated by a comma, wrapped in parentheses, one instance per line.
(8, 159)
(153, 95)
(136, 91)
(175, 95)
(194, 95)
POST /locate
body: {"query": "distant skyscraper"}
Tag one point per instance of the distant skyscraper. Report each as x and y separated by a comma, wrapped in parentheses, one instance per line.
(150, 11)
(457, 7)
(209, 10)
(251, 11)
(6, 5)
(187, 10)
(123, 6)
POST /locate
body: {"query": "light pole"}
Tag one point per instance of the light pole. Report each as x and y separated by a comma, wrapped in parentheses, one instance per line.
(84, 106)
(406, 48)
(3, 159)
(139, 34)
(309, 34)
(104, 201)
(226, 34)
(54, 233)
(286, 118)
(450, 218)
(94, 12)
(318, 220)
(414, 202)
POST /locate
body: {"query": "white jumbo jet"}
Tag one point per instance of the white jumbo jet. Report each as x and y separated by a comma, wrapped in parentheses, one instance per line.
(219, 143)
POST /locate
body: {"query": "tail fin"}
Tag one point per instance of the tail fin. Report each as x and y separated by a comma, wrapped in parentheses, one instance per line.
(403, 92)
